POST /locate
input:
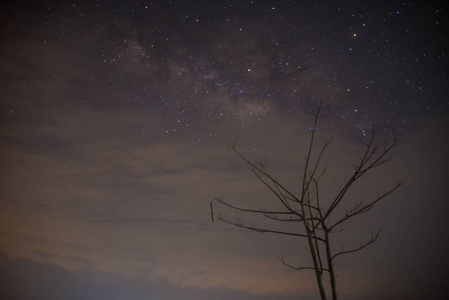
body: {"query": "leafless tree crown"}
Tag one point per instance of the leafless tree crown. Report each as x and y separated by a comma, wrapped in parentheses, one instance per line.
(308, 209)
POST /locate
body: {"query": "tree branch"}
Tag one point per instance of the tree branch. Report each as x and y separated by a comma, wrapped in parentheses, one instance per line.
(252, 210)
(264, 172)
(281, 258)
(263, 230)
(363, 245)
(359, 208)
(278, 192)
(368, 161)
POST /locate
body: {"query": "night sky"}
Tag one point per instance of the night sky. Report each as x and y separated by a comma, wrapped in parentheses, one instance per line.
(114, 119)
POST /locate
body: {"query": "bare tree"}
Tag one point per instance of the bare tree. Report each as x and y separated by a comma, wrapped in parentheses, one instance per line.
(319, 218)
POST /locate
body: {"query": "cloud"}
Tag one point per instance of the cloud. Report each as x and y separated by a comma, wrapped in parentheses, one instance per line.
(88, 190)
(102, 195)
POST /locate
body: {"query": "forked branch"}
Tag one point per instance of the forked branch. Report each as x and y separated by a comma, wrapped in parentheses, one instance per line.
(362, 245)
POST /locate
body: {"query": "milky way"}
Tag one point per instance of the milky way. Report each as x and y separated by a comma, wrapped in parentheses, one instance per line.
(378, 62)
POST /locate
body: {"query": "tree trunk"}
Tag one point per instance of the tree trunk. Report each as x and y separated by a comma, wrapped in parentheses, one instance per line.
(317, 268)
(330, 264)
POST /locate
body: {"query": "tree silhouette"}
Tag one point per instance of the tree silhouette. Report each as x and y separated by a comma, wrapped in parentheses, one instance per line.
(319, 219)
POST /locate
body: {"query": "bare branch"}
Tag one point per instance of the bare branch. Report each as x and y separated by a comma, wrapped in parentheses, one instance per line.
(359, 208)
(262, 230)
(368, 161)
(309, 153)
(281, 258)
(265, 173)
(253, 210)
(291, 219)
(317, 163)
(362, 245)
(278, 193)
(211, 212)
